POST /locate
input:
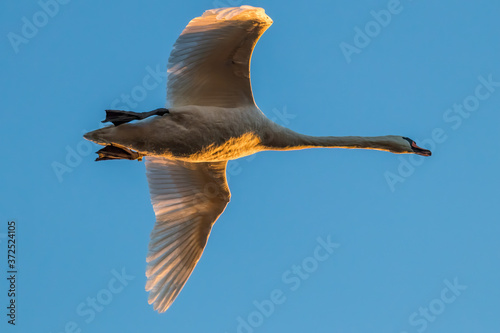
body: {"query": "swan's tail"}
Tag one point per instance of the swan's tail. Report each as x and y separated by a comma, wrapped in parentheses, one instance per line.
(120, 139)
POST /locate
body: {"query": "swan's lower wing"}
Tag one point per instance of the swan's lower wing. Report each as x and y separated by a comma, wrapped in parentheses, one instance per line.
(187, 199)
(210, 61)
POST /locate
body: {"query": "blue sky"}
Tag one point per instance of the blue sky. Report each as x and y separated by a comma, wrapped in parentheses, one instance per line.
(415, 241)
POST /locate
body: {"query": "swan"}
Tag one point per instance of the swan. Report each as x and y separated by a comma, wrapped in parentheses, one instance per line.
(212, 118)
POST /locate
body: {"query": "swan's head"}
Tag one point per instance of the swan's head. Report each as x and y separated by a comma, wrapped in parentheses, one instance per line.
(411, 147)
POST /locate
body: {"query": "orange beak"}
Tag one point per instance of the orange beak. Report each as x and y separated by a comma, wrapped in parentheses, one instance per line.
(420, 151)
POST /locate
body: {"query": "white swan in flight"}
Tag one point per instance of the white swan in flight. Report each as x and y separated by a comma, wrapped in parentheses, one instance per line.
(212, 118)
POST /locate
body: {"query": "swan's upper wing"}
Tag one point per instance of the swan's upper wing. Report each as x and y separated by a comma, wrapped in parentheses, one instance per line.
(210, 61)
(187, 199)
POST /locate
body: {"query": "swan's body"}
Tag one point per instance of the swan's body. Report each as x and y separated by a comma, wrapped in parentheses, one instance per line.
(214, 134)
(213, 119)
(193, 133)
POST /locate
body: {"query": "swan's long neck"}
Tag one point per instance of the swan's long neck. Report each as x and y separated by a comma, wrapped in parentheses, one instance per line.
(281, 138)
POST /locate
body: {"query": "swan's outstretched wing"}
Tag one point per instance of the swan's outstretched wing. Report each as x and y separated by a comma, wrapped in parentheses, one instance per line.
(187, 199)
(210, 61)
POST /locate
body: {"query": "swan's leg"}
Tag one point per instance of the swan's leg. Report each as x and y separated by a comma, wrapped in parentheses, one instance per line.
(117, 153)
(118, 117)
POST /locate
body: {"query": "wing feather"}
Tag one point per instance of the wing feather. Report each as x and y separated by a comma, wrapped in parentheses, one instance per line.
(210, 61)
(185, 211)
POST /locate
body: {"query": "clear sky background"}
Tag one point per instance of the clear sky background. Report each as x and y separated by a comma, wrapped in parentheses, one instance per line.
(418, 239)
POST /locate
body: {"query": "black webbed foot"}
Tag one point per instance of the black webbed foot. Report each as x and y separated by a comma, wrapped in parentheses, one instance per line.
(116, 153)
(118, 117)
